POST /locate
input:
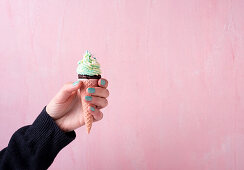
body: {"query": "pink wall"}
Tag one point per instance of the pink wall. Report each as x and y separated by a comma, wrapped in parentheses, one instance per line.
(176, 72)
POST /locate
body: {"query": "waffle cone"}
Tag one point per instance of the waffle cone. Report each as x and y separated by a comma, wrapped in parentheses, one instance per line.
(88, 118)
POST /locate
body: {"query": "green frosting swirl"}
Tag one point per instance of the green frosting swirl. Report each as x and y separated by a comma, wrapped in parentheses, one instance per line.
(88, 65)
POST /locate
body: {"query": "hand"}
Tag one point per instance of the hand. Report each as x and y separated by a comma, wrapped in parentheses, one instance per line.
(66, 107)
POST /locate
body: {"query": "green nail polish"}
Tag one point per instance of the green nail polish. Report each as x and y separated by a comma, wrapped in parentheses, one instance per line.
(91, 90)
(92, 109)
(88, 98)
(103, 82)
(76, 82)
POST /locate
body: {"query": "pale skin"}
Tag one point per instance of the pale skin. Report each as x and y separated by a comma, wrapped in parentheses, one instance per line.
(66, 106)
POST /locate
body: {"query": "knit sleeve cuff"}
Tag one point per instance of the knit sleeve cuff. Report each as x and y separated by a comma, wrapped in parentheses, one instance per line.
(47, 134)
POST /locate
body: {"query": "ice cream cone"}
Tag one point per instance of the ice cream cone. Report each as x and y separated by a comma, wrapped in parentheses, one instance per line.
(89, 73)
(88, 118)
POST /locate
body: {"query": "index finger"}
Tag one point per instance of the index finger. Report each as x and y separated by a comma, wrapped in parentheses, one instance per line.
(103, 83)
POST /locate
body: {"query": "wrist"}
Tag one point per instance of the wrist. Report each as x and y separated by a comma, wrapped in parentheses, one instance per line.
(49, 110)
(57, 121)
(60, 124)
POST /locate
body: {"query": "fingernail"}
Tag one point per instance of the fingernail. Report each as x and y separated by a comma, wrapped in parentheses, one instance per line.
(91, 90)
(103, 82)
(92, 109)
(76, 82)
(88, 98)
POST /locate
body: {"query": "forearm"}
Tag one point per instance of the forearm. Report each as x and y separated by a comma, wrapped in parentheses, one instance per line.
(35, 146)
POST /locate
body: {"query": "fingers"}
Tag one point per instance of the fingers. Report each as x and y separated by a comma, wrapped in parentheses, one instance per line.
(97, 101)
(96, 113)
(67, 90)
(98, 91)
(103, 83)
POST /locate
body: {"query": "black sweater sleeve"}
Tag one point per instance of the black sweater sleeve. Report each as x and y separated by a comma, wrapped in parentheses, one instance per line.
(35, 146)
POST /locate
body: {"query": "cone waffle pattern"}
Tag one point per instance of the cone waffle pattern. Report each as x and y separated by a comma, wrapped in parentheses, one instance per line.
(85, 106)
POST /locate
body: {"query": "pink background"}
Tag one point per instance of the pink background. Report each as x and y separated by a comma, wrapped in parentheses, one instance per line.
(176, 72)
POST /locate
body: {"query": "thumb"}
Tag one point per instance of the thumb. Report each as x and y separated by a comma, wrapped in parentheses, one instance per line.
(67, 90)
